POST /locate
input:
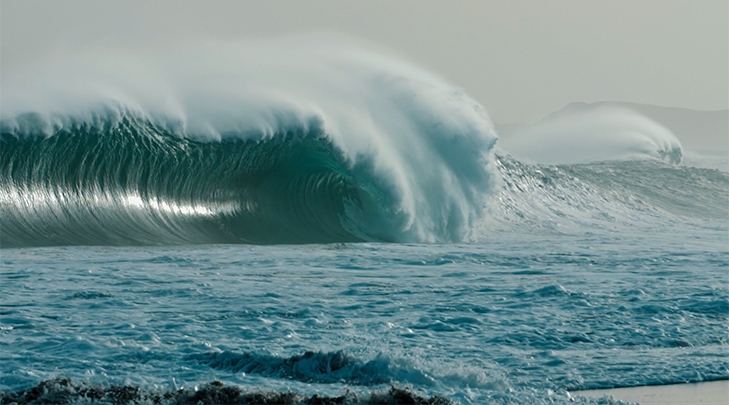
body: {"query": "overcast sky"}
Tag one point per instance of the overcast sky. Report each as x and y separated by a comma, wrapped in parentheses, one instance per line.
(520, 59)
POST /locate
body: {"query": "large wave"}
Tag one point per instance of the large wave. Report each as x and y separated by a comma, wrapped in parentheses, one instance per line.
(268, 142)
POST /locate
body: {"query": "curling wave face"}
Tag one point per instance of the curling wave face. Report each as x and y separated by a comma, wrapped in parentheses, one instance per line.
(355, 147)
(131, 182)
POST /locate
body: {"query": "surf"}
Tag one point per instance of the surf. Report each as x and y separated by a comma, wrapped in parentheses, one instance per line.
(241, 146)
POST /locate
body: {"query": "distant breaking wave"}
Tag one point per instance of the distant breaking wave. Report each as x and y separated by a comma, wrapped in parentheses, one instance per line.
(576, 135)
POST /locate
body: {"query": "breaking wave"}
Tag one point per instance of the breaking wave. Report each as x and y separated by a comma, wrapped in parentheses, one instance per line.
(583, 136)
(250, 148)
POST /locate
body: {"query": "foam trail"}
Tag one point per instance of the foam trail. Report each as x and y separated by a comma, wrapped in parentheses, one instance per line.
(584, 136)
(263, 142)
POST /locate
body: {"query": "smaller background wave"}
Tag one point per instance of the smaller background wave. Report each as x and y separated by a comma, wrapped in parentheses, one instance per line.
(582, 132)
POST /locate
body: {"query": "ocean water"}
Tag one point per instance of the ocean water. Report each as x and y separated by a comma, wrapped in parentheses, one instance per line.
(521, 316)
(350, 232)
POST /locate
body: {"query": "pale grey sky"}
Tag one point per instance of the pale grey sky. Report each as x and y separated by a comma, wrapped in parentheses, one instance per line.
(520, 59)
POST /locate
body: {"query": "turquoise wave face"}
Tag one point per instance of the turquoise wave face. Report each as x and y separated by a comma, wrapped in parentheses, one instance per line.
(125, 180)
(135, 183)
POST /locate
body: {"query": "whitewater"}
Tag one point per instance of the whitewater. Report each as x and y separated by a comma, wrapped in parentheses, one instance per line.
(286, 221)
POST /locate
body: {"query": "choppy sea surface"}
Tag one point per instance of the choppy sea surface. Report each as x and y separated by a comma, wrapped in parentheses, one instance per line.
(519, 318)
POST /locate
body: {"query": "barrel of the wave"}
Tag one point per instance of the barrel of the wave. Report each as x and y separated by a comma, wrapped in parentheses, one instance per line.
(131, 182)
